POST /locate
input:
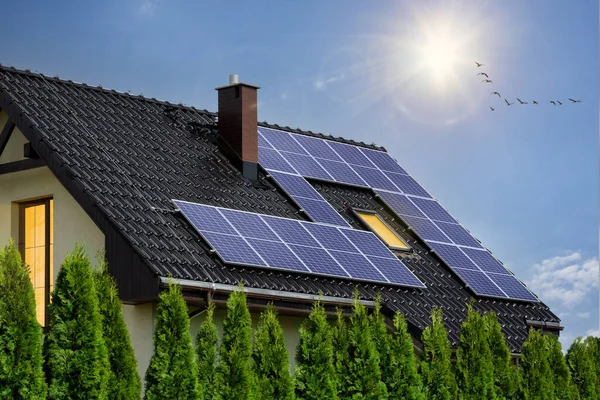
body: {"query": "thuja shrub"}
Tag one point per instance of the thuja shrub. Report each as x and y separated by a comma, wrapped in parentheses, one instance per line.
(537, 381)
(436, 370)
(206, 353)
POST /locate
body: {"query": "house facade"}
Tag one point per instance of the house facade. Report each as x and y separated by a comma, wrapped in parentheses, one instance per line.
(111, 170)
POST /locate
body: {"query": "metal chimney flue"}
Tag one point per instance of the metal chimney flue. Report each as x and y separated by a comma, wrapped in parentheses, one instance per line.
(234, 79)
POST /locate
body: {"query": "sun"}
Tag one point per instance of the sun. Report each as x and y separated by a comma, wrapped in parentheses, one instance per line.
(440, 56)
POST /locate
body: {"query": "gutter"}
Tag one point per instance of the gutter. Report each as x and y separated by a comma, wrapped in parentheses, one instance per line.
(275, 294)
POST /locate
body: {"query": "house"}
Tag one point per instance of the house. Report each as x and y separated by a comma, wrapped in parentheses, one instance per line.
(87, 164)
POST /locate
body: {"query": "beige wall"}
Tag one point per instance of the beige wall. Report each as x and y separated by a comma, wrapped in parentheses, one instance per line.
(14, 148)
(140, 323)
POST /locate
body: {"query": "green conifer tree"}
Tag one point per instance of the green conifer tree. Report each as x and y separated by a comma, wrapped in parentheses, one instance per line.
(405, 382)
(270, 359)
(583, 372)
(474, 363)
(536, 375)
(172, 371)
(363, 367)
(76, 358)
(206, 353)
(505, 386)
(382, 341)
(593, 348)
(436, 370)
(315, 370)
(560, 372)
(124, 380)
(341, 356)
(234, 373)
(21, 373)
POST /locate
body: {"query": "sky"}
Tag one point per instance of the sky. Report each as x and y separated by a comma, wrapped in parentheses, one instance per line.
(522, 178)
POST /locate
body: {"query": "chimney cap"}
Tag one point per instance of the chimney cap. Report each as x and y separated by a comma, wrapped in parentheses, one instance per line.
(234, 80)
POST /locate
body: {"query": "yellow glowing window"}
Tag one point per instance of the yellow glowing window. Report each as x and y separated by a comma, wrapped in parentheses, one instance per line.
(382, 230)
(36, 243)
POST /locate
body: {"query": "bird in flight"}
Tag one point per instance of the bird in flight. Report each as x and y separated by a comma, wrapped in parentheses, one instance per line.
(487, 81)
(493, 93)
(479, 64)
(522, 102)
(484, 74)
(559, 102)
(575, 101)
(535, 102)
(492, 108)
(551, 101)
(507, 103)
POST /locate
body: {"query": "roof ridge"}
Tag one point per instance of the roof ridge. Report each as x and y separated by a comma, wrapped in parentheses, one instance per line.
(29, 73)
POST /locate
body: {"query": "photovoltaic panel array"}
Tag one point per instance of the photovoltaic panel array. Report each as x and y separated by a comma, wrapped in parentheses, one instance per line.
(250, 239)
(286, 154)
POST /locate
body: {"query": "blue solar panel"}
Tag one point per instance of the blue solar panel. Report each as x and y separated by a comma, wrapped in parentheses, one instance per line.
(318, 261)
(277, 255)
(342, 172)
(357, 266)
(452, 256)
(295, 185)
(512, 287)
(400, 204)
(306, 166)
(249, 225)
(479, 282)
(368, 243)
(317, 147)
(271, 159)
(233, 249)
(374, 178)
(383, 161)
(330, 237)
(321, 211)
(262, 142)
(458, 234)
(485, 261)
(426, 229)
(396, 271)
(205, 218)
(281, 140)
(350, 154)
(290, 231)
(433, 210)
(407, 184)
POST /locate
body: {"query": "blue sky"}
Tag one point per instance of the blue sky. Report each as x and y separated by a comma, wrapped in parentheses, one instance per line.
(523, 178)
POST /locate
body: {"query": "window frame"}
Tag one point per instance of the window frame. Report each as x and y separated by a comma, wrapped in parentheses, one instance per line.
(357, 212)
(45, 201)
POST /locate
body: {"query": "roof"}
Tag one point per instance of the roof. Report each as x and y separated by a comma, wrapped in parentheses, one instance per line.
(124, 157)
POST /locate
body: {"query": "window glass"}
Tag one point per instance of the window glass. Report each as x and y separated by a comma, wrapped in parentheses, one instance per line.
(380, 228)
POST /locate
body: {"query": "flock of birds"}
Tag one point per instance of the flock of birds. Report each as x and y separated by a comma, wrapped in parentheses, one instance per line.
(521, 102)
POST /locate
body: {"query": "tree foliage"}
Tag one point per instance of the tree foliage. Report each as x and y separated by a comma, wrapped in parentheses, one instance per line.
(593, 351)
(270, 359)
(124, 380)
(505, 386)
(341, 356)
(583, 371)
(206, 353)
(436, 370)
(315, 371)
(382, 342)
(563, 388)
(21, 373)
(172, 371)
(474, 363)
(535, 368)
(76, 357)
(405, 382)
(363, 366)
(234, 373)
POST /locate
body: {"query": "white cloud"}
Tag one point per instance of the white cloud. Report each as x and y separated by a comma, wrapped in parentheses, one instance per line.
(147, 8)
(323, 83)
(583, 315)
(565, 281)
(593, 332)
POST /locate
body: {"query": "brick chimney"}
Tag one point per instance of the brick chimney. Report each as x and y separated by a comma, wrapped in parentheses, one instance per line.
(238, 118)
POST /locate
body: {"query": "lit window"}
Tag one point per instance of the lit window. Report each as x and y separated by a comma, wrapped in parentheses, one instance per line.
(36, 242)
(381, 229)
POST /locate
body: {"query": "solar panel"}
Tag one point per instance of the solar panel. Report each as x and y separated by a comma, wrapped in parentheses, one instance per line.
(485, 260)
(277, 255)
(368, 243)
(317, 147)
(290, 231)
(318, 261)
(479, 282)
(400, 204)
(249, 225)
(262, 142)
(282, 140)
(330, 237)
(271, 159)
(383, 161)
(205, 218)
(342, 172)
(350, 154)
(426, 229)
(374, 178)
(295, 185)
(407, 185)
(395, 271)
(321, 211)
(512, 287)
(433, 210)
(458, 234)
(233, 249)
(306, 166)
(453, 256)
(358, 266)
